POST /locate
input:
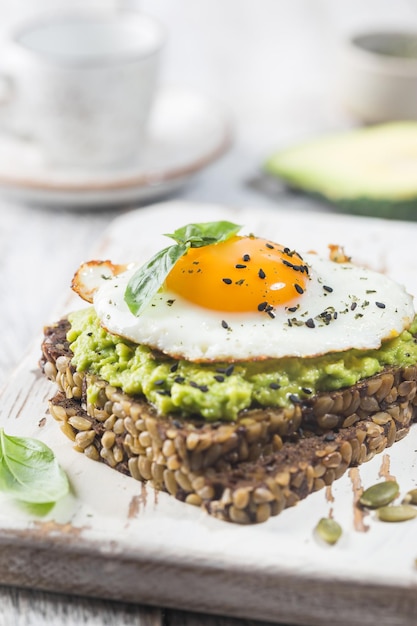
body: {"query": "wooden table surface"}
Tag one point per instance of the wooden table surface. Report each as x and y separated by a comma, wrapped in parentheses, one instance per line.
(274, 65)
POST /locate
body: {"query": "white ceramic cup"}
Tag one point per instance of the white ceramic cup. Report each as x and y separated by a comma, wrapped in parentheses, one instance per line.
(81, 85)
(378, 75)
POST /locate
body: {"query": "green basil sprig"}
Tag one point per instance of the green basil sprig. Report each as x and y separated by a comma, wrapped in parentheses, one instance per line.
(29, 470)
(148, 279)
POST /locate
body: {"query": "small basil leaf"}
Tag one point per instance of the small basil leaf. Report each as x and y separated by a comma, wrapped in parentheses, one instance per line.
(29, 470)
(147, 280)
(204, 233)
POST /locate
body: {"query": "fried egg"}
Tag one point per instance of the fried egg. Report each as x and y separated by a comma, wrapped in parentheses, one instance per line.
(250, 298)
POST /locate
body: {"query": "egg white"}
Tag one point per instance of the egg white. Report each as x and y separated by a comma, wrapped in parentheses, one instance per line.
(360, 310)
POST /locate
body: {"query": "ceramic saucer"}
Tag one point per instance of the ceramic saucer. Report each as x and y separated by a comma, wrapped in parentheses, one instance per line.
(187, 132)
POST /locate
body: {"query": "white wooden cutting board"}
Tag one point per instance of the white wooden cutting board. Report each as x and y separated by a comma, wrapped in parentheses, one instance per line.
(115, 538)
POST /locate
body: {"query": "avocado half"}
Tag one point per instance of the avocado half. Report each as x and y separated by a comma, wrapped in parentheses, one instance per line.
(367, 171)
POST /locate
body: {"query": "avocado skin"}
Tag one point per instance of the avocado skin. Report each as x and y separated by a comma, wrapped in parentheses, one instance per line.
(390, 209)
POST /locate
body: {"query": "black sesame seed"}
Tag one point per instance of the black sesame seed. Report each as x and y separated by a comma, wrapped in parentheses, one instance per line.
(229, 370)
(353, 306)
(380, 305)
(90, 334)
(261, 273)
(262, 306)
(306, 390)
(329, 437)
(193, 384)
(160, 381)
(289, 264)
(225, 324)
(219, 378)
(292, 309)
(246, 257)
(270, 246)
(228, 281)
(327, 288)
(335, 315)
(271, 314)
(240, 266)
(298, 289)
(174, 367)
(203, 388)
(310, 323)
(179, 379)
(274, 386)
(294, 398)
(163, 392)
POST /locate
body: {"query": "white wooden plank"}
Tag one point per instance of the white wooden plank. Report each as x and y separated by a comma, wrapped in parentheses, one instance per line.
(153, 549)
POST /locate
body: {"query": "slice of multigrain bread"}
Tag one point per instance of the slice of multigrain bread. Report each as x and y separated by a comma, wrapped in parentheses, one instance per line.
(241, 471)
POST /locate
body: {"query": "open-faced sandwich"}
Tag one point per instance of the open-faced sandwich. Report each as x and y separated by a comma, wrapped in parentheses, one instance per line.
(233, 372)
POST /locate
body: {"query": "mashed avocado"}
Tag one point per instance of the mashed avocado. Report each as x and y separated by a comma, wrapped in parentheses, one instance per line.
(220, 390)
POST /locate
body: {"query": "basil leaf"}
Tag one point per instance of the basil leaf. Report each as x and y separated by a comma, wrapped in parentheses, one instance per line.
(204, 233)
(29, 470)
(147, 280)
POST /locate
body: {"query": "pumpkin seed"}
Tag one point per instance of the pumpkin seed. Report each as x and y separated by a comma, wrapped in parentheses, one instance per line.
(410, 497)
(328, 530)
(398, 513)
(379, 494)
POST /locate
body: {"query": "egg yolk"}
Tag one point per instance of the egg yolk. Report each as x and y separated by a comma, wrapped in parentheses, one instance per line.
(241, 274)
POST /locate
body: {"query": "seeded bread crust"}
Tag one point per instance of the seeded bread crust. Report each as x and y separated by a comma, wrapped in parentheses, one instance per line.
(243, 471)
